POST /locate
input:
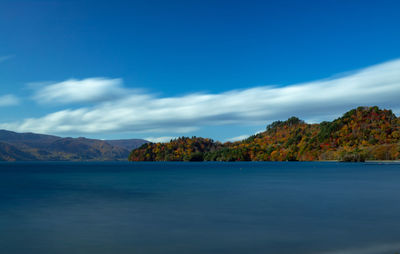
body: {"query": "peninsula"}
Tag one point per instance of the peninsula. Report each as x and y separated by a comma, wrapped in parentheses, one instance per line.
(365, 133)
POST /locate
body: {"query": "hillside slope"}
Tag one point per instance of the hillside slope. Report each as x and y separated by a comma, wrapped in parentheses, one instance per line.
(38, 147)
(360, 134)
(128, 144)
(11, 153)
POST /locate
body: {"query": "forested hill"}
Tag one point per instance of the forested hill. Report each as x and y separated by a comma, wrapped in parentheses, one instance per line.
(365, 133)
(38, 147)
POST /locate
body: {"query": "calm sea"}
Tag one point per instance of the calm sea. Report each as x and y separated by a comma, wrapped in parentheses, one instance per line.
(277, 208)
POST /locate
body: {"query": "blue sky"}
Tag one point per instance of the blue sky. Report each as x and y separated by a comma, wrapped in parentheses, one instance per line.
(221, 69)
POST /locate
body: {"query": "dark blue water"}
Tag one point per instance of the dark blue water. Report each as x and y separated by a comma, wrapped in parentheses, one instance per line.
(276, 208)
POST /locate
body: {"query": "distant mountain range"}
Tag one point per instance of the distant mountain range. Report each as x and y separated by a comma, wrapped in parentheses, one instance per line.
(38, 147)
(364, 133)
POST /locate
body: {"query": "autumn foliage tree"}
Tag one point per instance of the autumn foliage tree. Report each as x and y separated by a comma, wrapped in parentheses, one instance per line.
(365, 133)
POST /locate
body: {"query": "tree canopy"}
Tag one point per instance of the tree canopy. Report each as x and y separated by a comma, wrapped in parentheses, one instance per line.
(360, 134)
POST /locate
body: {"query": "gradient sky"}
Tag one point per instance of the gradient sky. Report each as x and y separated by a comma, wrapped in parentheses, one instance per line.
(220, 69)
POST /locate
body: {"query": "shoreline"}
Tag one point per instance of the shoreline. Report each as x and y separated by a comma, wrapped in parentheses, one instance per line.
(383, 161)
(123, 161)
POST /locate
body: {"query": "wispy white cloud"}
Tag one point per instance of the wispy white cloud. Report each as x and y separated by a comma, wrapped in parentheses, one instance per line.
(243, 137)
(238, 138)
(8, 100)
(142, 112)
(160, 139)
(80, 91)
(5, 58)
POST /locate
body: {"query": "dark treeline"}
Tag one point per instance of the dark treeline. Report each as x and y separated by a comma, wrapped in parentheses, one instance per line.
(365, 133)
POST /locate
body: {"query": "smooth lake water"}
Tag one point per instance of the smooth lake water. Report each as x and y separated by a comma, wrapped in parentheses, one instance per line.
(277, 208)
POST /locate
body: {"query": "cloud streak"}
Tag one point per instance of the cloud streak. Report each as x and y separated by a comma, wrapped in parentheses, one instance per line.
(8, 100)
(135, 112)
(160, 139)
(80, 91)
(238, 138)
(5, 58)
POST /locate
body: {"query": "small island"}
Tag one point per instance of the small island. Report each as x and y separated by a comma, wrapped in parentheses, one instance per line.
(365, 133)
